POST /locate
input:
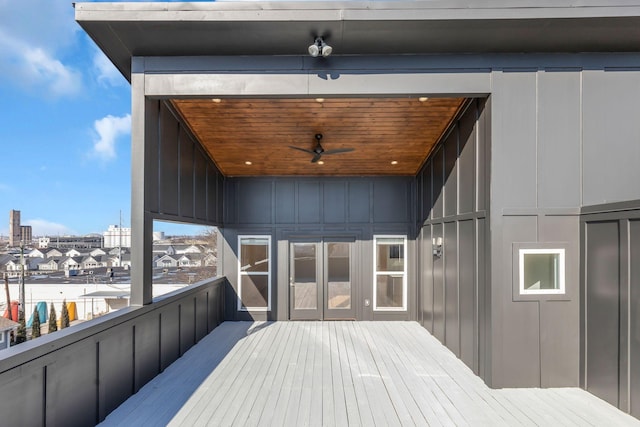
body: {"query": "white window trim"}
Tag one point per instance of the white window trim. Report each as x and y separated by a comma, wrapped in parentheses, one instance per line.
(2, 337)
(561, 274)
(256, 273)
(376, 273)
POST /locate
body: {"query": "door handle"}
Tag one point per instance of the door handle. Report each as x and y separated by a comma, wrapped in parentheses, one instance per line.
(291, 281)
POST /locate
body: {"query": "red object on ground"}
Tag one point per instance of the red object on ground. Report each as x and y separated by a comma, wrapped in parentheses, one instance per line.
(14, 311)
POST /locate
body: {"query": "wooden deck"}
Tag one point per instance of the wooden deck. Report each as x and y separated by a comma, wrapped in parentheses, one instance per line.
(339, 374)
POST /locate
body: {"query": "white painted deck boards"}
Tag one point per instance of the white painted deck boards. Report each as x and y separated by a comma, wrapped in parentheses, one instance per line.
(342, 374)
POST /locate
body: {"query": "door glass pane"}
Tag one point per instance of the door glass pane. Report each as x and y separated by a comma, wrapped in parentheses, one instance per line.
(338, 276)
(390, 254)
(254, 255)
(304, 276)
(389, 289)
(255, 291)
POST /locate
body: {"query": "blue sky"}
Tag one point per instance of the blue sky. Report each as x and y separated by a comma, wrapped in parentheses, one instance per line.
(64, 124)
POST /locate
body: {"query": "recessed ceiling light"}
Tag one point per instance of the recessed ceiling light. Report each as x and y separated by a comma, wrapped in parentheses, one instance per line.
(319, 99)
(394, 162)
(248, 163)
(216, 100)
(423, 99)
(320, 162)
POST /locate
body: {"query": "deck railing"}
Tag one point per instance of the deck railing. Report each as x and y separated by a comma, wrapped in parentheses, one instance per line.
(76, 376)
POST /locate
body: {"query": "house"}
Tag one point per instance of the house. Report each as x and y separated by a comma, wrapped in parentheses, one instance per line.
(49, 264)
(188, 249)
(471, 167)
(191, 260)
(5, 259)
(446, 174)
(70, 263)
(97, 252)
(53, 252)
(36, 253)
(73, 252)
(166, 261)
(7, 327)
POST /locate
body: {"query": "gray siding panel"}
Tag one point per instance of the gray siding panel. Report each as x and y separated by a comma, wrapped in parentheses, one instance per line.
(426, 288)
(452, 303)
(634, 302)
(254, 202)
(514, 140)
(390, 201)
(186, 174)
(115, 375)
(437, 195)
(22, 394)
(426, 176)
(169, 336)
(152, 152)
(467, 162)
(559, 139)
(359, 201)
(285, 202)
(310, 202)
(520, 329)
(602, 309)
(452, 286)
(438, 290)
(335, 198)
(611, 152)
(201, 196)
(467, 293)
(72, 364)
(451, 173)
(147, 349)
(169, 163)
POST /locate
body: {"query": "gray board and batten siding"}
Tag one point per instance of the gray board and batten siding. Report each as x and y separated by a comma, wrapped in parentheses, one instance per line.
(561, 129)
(452, 205)
(610, 300)
(308, 209)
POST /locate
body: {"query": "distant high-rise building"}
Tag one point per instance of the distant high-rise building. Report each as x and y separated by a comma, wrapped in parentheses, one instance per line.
(26, 233)
(117, 237)
(14, 228)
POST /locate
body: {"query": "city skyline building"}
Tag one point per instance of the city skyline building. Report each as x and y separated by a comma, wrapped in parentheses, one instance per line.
(14, 228)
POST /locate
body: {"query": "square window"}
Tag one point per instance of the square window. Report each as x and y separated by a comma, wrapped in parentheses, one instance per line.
(542, 271)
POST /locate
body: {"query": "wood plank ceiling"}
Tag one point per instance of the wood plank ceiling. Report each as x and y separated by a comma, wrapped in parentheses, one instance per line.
(253, 137)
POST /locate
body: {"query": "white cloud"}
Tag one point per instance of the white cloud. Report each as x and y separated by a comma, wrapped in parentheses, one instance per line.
(42, 227)
(108, 130)
(33, 67)
(107, 73)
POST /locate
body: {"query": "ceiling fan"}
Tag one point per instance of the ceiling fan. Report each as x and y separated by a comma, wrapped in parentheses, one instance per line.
(318, 151)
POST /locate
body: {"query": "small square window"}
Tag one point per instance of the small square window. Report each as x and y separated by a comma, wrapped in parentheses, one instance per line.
(542, 271)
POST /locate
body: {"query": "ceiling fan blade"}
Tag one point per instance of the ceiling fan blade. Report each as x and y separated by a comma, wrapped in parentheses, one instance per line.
(316, 157)
(303, 149)
(338, 150)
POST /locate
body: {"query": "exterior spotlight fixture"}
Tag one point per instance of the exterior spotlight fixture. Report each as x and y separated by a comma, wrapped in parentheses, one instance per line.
(320, 162)
(319, 47)
(216, 100)
(394, 162)
(423, 99)
(248, 163)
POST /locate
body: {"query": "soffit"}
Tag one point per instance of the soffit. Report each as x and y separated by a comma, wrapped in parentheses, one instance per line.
(123, 30)
(262, 131)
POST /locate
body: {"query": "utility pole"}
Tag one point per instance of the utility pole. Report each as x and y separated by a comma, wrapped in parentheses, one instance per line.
(6, 289)
(21, 307)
